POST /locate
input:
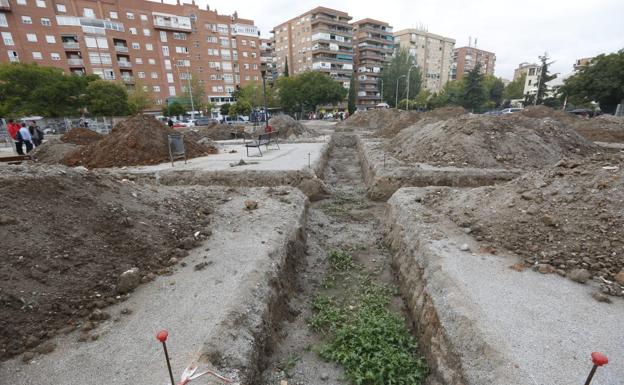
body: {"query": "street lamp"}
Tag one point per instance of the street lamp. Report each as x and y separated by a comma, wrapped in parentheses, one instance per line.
(381, 80)
(408, 83)
(396, 99)
(266, 114)
(190, 90)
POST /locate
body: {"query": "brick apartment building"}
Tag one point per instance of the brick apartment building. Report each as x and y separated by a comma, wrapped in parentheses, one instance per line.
(319, 40)
(465, 59)
(433, 54)
(373, 45)
(134, 42)
(266, 58)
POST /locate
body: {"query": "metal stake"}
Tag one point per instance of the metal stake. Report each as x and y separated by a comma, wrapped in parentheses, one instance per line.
(162, 337)
(598, 359)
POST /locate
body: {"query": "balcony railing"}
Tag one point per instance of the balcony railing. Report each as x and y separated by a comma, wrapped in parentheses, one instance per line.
(172, 25)
(14, 59)
(124, 64)
(121, 48)
(127, 79)
(5, 5)
(71, 45)
(75, 62)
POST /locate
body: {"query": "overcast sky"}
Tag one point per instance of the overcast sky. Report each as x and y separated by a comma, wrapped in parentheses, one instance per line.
(516, 31)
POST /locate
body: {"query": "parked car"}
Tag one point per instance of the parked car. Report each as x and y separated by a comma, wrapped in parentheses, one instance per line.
(205, 121)
(235, 120)
(493, 113)
(505, 111)
(584, 112)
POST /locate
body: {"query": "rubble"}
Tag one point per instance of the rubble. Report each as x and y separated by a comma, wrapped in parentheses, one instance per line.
(289, 127)
(81, 136)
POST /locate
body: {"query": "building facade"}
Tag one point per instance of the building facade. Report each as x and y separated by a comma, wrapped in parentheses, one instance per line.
(533, 73)
(466, 58)
(373, 46)
(582, 63)
(523, 69)
(318, 40)
(266, 60)
(156, 45)
(433, 54)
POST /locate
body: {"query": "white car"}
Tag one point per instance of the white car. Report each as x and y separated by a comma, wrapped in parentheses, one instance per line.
(505, 111)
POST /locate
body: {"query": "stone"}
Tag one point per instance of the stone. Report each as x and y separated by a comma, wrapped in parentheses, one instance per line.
(546, 268)
(314, 189)
(172, 261)
(579, 275)
(32, 341)
(324, 376)
(89, 325)
(600, 297)
(251, 204)
(128, 280)
(46, 347)
(464, 247)
(99, 315)
(28, 356)
(7, 220)
(548, 220)
(83, 337)
(619, 277)
(187, 243)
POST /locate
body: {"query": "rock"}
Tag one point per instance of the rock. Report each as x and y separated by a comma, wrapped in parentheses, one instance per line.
(28, 356)
(464, 247)
(600, 297)
(187, 243)
(619, 277)
(7, 220)
(31, 342)
(548, 220)
(83, 337)
(579, 275)
(46, 347)
(89, 325)
(128, 280)
(314, 189)
(251, 204)
(94, 337)
(100, 304)
(172, 261)
(324, 376)
(99, 315)
(546, 268)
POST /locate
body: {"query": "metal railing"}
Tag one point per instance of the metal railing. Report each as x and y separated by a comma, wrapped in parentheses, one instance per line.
(75, 62)
(124, 64)
(4, 4)
(71, 45)
(121, 48)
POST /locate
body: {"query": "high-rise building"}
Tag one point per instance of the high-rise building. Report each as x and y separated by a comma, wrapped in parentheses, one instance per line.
(582, 63)
(373, 46)
(266, 59)
(523, 69)
(466, 58)
(319, 40)
(433, 54)
(135, 41)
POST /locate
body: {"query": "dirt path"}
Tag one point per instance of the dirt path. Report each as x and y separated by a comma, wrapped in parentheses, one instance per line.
(348, 221)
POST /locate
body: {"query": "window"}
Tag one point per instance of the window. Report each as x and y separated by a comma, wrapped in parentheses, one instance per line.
(100, 58)
(136, 46)
(223, 29)
(7, 38)
(149, 47)
(154, 75)
(37, 55)
(31, 37)
(253, 43)
(181, 49)
(179, 36)
(172, 91)
(213, 52)
(130, 15)
(88, 12)
(226, 65)
(143, 17)
(244, 42)
(156, 88)
(146, 32)
(55, 56)
(163, 36)
(41, 3)
(3, 20)
(13, 57)
(212, 39)
(151, 61)
(165, 50)
(224, 41)
(245, 54)
(168, 64)
(50, 39)
(46, 22)
(21, 2)
(169, 77)
(26, 20)
(141, 75)
(246, 66)
(61, 8)
(133, 31)
(113, 15)
(138, 60)
(96, 42)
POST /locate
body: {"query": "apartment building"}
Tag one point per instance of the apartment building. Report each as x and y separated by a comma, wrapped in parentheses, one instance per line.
(523, 69)
(134, 42)
(373, 46)
(466, 58)
(433, 54)
(318, 40)
(582, 63)
(266, 60)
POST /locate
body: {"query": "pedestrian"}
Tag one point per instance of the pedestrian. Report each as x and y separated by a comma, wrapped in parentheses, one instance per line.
(35, 133)
(13, 129)
(170, 123)
(25, 137)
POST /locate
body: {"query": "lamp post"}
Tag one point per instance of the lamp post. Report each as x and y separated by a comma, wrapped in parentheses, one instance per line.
(408, 83)
(266, 115)
(381, 80)
(190, 90)
(396, 99)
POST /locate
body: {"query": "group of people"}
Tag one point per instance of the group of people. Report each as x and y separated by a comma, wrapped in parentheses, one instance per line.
(29, 135)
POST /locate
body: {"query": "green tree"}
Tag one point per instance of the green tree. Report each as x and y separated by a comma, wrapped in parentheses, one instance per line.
(309, 90)
(494, 89)
(451, 95)
(288, 94)
(422, 99)
(225, 109)
(474, 91)
(602, 82)
(352, 91)
(286, 73)
(175, 108)
(515, 89)
(139, 98)
(544, 78)
(253, 94)
(241, 107)
(105, 98)
(400, 64)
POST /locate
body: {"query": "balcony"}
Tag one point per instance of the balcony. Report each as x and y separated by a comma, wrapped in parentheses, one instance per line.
(127, 79)
(172, 22)
(124, 64)
(75, 62)
(121, 48)
(5, 5)
(71, 45)
(330, 20)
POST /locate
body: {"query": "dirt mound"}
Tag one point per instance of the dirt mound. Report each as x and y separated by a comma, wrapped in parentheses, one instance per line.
(568, 216)
(214, 131)
(81, 136)
(53, 150)
(289, 127)
(541, 112)
(72, 234)
(511, 141)
(603, 128)
(140, 140)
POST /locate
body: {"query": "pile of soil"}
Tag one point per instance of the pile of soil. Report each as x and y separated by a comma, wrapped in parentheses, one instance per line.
(53, 150)
(72, 233)
(568, 217)
(510, 141)
(214, 131)
(603, 128)
(289, 127)
(140, 140)
(81, 136)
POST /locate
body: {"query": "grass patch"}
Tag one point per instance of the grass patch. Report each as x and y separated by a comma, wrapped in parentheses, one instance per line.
(340, 261)
(343, 205)
(288, 365)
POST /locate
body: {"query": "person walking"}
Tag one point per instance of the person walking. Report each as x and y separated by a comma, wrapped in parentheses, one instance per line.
(170, 123)
(35, 133)
(13, 129)
(26, 138)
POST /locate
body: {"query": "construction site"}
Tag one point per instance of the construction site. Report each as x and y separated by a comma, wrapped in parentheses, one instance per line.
(395, 247)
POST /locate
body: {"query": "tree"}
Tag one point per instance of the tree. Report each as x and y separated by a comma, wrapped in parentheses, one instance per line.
(286, 74)
(451, 95)
(422, 99)
(543, 79)
(515, 89)
(351, 99)
(139, 98)
(254, 95)
(288, 94)
(175, 108)
(602, 81)
(393, 71)
(225, 109)
(474, 91)
(309, 90)
(105, 98)
(494, 89)
(241, 107)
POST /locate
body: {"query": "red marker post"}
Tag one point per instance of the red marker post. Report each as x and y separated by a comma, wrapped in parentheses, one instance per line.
(598, 359)
(162, 337)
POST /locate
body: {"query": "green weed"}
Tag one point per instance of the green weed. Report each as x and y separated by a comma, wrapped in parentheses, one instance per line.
(340, 261)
